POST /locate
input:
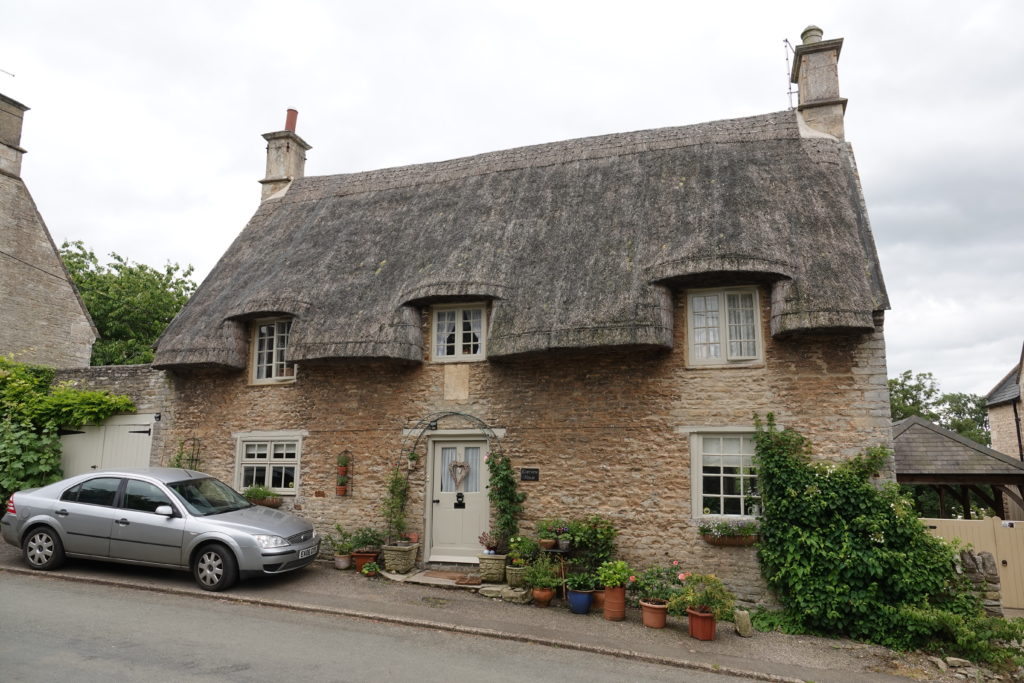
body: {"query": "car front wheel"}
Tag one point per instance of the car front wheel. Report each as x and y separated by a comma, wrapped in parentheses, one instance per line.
(42, 548)
(214, 568)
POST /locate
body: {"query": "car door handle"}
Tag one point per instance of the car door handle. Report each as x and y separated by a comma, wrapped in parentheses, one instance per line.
(122, 522)
(61, 513)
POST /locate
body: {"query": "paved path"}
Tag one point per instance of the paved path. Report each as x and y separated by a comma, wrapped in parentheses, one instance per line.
(320, 588)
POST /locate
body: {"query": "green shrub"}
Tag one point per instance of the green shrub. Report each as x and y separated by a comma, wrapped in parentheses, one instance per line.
(848, 558)
(541, 574)
(593, 541)
(703, 593)
(506, 499)
(613, 573)
(657, 583)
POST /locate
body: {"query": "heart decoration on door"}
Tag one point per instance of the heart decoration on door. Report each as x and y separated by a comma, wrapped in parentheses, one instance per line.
(458, 471)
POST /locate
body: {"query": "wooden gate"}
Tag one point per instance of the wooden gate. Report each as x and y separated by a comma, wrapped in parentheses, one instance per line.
(1005, 540)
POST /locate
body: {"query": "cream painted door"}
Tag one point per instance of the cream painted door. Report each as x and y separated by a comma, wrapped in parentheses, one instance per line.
(460, 510)
(121, 441)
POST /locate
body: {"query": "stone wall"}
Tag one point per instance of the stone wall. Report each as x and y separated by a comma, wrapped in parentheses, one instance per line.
(981, 569)
(149, 389)
(42, 320)
(607, 429)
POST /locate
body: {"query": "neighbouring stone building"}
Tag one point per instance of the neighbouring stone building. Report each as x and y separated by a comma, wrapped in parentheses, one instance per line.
(611, 312)
(42, 318)
(1005, 413)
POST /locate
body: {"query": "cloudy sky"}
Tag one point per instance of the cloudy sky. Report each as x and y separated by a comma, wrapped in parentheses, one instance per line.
(145, 122)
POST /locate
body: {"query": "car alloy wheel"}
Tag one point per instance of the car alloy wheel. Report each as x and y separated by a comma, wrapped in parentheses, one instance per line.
(214, 568)
(42, 549)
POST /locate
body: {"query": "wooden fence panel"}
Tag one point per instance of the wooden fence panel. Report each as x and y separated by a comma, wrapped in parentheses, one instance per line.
(1005, 540)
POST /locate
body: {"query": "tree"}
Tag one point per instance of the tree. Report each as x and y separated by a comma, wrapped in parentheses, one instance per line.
(130, 303)
(911, 394)
(918, 394)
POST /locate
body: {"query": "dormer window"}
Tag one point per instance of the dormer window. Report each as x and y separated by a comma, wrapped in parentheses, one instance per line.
(269, 348)
(724, 326)
(458, 333)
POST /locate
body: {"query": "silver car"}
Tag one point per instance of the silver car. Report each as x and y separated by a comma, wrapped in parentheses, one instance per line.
(158, 517)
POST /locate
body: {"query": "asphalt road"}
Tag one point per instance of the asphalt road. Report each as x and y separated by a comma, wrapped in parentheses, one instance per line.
(57, 630)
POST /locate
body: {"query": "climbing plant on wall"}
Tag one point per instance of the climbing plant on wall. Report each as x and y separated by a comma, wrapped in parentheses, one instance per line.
(32, 409)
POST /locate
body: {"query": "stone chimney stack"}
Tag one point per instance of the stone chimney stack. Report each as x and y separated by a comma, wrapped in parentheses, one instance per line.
(815, 71)
(286, 157)
(11, 115)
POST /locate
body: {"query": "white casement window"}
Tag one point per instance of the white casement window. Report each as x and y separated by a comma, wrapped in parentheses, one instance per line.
(724, 326)
(724, 478)
(459, 333)
(269, 460)
(269, 346)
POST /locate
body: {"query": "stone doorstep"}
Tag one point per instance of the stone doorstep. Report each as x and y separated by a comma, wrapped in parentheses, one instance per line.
(423, 578)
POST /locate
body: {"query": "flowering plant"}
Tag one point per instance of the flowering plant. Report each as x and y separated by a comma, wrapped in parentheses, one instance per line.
(703, 593)
(720, 528)
(488, 541)
(658, 584)
(521, 550)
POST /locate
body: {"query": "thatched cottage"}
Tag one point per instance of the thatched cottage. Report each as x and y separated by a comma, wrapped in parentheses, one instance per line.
(610, 312)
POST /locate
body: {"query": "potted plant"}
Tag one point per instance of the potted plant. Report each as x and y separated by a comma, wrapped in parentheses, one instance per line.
(541, 577)
(342, 488)
(580, 592)
(343, 461)
(654, 588)
(261, 495)
(492, 565)
(366, 542)
(729, 531)
(593, 541)
(341, 541)
(613, 575)
(521, 551)
(704, 599)
(399, 553)
(546, 536)
(563, 537)
(370, 569)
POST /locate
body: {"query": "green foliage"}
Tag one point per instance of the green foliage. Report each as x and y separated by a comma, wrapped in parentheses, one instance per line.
(703, 593)
(393, 507)
(341, 540)
(721, 528)
(849, 558)
(130, 303)
(546, 528)
(258, 493)
(343, 461)
(580, 581)
(541, 573)
(522, 550)
(965, 414)
(370, 568)
(367, 538)
(31, 412)
(658, 583)
(593, 541)
(506, 500)
(613, 573)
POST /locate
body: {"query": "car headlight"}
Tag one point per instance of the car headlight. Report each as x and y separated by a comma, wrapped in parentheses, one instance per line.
(265, 541)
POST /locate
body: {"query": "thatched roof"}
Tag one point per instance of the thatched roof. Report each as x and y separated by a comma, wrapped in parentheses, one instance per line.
(577, 243)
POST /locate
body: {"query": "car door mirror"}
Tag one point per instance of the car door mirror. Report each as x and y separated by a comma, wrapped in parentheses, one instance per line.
(165, 510)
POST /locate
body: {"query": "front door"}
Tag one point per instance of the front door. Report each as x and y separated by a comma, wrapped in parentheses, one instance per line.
(460, 508)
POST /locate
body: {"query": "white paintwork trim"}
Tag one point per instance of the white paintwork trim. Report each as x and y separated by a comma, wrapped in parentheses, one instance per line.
(448, 434)
(757, 360)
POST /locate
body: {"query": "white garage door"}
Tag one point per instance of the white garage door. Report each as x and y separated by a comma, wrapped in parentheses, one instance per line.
(121, 441)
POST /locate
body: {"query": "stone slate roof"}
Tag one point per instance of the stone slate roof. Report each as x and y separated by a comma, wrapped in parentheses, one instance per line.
(1008, 388)
(922, 447)
(577, 244)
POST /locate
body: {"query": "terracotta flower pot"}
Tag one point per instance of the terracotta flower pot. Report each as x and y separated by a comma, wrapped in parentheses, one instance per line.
(547, 543)
(729, 540)
(542, 596)
(342, 470)
(341, 490)
(362, 558)
(654, 613)
(614, 603)
(702, 624)
(598, 599)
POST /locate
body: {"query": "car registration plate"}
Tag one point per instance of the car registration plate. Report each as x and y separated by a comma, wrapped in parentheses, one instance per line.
(309, 551)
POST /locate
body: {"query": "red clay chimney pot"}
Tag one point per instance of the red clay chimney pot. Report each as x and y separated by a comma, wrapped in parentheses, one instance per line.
(289, 123)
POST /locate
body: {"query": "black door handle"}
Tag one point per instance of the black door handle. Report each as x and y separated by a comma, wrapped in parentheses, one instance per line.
(437, 500)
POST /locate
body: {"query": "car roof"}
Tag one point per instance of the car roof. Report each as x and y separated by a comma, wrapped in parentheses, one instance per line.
(165, 475)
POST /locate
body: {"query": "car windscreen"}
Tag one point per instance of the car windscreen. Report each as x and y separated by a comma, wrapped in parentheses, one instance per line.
(207, 496)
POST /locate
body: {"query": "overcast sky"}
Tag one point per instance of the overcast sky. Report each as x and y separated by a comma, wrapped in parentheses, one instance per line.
(145, 121)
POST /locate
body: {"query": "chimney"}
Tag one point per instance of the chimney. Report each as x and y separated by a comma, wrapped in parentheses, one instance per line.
(815, 71)
(11, 115)
(286, 157)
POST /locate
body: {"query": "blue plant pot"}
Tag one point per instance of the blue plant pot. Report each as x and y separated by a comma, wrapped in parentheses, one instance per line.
(580, 601)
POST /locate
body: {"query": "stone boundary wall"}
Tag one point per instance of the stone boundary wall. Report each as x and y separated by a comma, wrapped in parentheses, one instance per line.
(151, 391)
(981, 569)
